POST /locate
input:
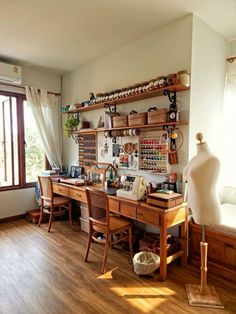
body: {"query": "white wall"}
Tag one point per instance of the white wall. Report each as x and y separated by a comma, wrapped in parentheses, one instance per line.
(17, 202)
(41, 79)
(232, 48)
(209, 51)
(164, 51)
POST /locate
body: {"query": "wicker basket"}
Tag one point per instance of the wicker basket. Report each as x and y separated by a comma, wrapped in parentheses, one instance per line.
(157, 116)
(120, 121)
(137, 119)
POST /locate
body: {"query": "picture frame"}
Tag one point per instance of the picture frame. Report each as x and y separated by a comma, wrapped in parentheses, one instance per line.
(75, 171)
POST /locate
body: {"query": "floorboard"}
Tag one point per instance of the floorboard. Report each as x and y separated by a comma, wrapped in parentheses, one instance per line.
(43, 272)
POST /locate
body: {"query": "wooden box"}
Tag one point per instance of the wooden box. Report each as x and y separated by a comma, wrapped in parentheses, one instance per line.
(120, 121)
(33, 216)
(157, 116)
(165, 200)
(137, 119)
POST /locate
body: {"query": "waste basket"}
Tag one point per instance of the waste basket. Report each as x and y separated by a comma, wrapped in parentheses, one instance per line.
(145, 263)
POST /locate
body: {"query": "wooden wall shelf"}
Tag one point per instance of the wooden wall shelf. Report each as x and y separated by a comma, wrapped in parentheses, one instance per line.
(147, 127)
(137, 97)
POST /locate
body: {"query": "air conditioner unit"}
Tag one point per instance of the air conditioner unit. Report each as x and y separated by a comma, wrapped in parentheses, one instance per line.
(10, 73)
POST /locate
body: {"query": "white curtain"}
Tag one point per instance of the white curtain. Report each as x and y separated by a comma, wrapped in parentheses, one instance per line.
(46, 111)
(229, 161)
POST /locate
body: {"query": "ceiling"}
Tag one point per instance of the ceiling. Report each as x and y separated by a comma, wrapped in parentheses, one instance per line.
(64, 34)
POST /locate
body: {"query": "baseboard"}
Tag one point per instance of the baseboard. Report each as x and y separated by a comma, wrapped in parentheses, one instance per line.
(12, 218)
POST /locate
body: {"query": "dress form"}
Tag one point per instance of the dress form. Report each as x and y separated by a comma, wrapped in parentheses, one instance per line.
(202, 173)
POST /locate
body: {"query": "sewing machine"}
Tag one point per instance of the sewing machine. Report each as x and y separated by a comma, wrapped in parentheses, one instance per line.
(132, 187)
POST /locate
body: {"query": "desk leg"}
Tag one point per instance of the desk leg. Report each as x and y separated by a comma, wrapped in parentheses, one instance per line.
(184, 234)
(163, 251)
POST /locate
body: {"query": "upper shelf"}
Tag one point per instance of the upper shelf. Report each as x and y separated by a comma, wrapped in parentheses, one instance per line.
(137, 97)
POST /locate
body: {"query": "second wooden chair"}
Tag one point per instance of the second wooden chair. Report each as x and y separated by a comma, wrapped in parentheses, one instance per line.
(49, 202)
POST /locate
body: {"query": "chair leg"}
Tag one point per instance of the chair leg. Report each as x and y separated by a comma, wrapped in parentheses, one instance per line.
(107, 244)
(41, 215)
(51, 219)
(70, 214)
(112, 239)
(131, 243)
(89, 244)
(60, 213)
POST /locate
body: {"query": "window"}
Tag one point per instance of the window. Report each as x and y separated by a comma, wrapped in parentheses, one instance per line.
(229, 165)
(22, 156)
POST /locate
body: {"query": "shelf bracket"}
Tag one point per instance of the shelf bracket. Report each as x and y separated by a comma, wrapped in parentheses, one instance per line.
(112, 107)
(172, 98)
(75, 138)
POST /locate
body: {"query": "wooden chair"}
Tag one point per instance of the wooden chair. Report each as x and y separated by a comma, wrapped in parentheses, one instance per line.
(49, 202)
(100, 222)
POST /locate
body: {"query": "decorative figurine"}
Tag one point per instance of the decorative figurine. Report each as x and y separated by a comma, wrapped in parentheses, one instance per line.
(91, 96)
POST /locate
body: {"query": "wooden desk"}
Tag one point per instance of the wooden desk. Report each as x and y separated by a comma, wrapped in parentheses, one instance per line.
(141, 211)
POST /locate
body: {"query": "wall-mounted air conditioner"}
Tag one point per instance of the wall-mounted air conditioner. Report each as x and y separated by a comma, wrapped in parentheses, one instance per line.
(10, 73)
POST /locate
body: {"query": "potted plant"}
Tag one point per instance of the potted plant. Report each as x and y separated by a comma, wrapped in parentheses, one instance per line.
(71, 124)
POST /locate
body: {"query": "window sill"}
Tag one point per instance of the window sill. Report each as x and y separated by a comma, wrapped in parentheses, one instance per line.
(19, 187)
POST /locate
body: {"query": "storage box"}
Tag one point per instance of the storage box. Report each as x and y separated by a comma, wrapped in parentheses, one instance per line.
(153, 245)
(84, 212)
(120, 121)
(165, 200)
(137, 119)
(157, 116)
(84, 224)
(33, 216)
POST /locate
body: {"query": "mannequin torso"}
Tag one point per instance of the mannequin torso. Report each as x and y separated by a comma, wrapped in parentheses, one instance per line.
(202, 173)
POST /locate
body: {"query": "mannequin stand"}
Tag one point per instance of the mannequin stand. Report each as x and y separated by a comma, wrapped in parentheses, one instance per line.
(203, 295)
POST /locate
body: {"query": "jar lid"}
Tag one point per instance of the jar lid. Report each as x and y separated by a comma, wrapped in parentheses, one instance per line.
(183, 72)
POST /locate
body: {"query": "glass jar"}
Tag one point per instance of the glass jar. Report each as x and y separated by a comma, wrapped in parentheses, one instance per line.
(184, 78)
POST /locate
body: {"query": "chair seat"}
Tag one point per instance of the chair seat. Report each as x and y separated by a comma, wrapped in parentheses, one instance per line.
(116, 224)
(58, 201)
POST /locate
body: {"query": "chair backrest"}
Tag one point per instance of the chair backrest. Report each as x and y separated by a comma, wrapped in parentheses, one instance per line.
(98, 206)
(46, 188)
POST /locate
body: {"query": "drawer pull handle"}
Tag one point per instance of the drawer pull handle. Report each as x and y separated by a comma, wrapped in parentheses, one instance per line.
(79, 195)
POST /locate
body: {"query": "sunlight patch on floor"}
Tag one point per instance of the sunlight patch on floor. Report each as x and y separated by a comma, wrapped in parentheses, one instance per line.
(107, 275)
(140, 297)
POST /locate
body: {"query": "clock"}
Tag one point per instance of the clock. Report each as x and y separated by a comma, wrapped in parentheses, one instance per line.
(173, 115)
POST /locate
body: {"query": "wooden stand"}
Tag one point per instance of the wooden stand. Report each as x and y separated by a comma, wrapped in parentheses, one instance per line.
(203, 295)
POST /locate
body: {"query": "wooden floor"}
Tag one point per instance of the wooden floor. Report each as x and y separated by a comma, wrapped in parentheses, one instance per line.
(45, 273)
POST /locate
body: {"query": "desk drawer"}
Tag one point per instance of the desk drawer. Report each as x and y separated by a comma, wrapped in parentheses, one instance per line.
(62, 190)
(128, 210)
(78, 195)
(114, 206)
(148, 216)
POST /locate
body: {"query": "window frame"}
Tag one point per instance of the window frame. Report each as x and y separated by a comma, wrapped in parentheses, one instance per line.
(20, 98)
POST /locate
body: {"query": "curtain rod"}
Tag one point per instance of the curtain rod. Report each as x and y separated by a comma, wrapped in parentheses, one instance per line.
(231, 59)
(23, 87)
